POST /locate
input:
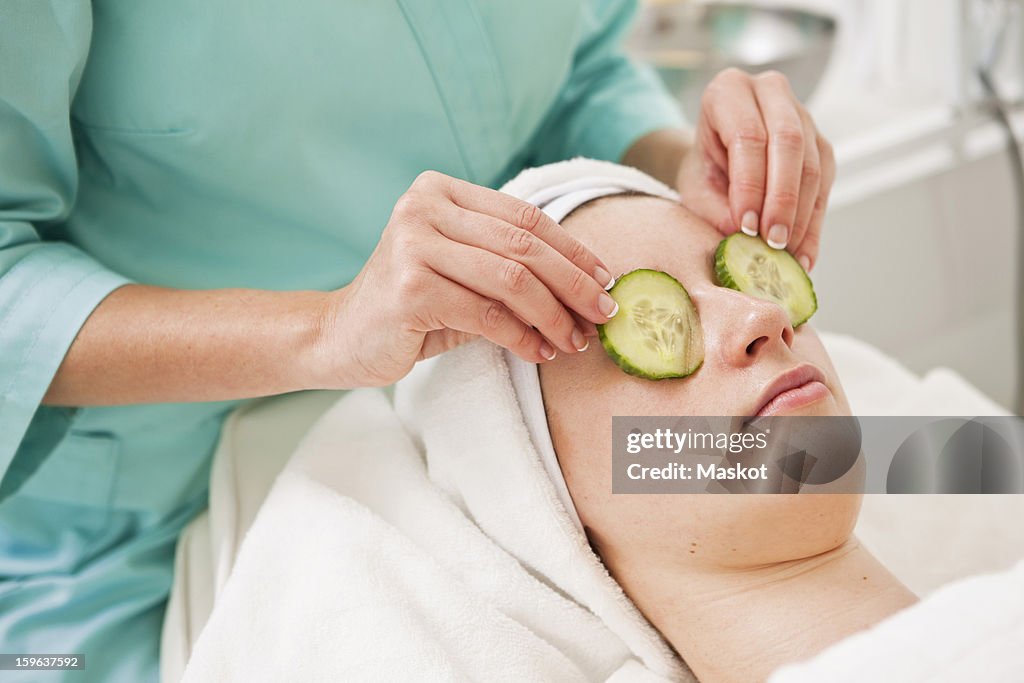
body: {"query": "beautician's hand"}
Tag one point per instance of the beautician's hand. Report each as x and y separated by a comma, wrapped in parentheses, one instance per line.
(457, 261)
(758, 162)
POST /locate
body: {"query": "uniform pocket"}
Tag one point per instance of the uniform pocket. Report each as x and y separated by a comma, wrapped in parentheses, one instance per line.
(62, 511)
(80, 471)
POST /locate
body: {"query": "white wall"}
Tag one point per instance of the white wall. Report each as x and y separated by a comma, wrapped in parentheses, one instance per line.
(926, 270)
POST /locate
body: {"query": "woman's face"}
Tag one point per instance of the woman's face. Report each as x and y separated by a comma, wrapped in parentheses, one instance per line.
(748, 345)
(748, 342)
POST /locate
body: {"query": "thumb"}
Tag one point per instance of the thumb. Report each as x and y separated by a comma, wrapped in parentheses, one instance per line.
(437, 342)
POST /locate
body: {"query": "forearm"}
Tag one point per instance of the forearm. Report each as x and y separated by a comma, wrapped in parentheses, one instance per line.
(660, 154)
(742, 625)
(147, 344)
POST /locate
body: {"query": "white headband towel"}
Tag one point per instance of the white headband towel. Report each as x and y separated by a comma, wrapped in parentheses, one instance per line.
(559, 189)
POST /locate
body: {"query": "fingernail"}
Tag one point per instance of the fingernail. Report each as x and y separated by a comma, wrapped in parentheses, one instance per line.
(778, 236)
(749, 223)
(604, 278)
(547, 351)
(607, 306)
(579, 342)
(805, 262)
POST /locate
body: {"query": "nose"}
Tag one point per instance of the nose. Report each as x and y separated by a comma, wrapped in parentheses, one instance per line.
(741, 329)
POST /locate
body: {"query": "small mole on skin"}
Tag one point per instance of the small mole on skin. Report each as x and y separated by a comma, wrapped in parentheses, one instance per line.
(865, 578)
(692, 552)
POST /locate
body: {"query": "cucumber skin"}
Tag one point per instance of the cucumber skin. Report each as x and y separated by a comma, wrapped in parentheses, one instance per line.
(721, 272)
(724, 279)
(621, 361)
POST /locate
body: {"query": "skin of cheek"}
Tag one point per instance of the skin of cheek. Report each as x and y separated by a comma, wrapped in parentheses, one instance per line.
(583, 391)
(701, 530)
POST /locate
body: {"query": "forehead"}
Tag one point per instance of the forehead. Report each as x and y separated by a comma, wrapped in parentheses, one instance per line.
(635, 231)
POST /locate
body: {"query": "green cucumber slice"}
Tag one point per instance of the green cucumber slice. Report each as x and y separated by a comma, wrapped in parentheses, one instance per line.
(656, 334)
(749, 265)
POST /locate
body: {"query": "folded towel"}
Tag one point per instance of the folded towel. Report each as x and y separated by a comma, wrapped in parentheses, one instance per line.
(491, 470)
(426, 547)
(559, 189)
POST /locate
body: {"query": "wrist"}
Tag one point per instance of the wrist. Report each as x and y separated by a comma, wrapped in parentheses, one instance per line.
(660, 153)
(317, 354)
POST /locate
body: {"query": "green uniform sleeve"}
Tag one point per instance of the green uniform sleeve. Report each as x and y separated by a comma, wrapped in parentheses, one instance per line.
(47, 287)
(609, 100)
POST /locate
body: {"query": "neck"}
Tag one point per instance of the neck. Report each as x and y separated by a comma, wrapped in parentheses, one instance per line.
(734, 624)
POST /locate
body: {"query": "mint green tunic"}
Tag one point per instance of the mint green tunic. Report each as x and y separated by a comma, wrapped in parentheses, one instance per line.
(229, 143)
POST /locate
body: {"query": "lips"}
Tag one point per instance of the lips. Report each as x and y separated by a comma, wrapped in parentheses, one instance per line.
(800, 386)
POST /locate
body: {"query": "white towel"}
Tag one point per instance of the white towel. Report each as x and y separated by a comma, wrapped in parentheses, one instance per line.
(558, 190)
(372, 562)
(492, 470)
(547, 186)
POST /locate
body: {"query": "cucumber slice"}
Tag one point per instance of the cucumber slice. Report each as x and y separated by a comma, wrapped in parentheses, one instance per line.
(749, 265)
(656, 334)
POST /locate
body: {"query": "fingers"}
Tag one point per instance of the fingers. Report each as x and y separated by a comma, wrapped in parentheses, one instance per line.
(513, 284)
(561, 276)
(456, 308)
(810, 182)
(786, 149)
(732, 107)
(778, 170)
(524, 272)
(807, 252)
(524, 216)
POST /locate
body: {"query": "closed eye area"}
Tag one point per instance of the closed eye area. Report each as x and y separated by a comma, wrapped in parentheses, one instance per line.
(659, 333)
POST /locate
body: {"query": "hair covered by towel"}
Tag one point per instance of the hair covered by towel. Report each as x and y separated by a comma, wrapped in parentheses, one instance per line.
(559, 189)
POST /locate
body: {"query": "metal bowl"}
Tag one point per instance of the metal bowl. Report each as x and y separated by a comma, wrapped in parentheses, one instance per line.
(688, 43)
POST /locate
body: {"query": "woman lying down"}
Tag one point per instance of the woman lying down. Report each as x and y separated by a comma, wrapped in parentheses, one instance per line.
(469, 531)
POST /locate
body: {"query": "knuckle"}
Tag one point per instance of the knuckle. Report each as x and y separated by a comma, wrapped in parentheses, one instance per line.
(821, 203)
(789, 136)
(785, 200)
(427, 178)
(528, 216)
(577, 252)
(410, 204)
(434, 183)
(516, 278)
(558, 319)
(520, 243)
(525, 337)
(494, 315)
(729, 76)
(826, 151)
(812, 174)
(577, 281)
(750, 136)
(774, 77)
(748, 186)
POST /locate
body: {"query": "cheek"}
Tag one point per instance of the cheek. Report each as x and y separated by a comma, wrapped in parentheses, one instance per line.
(706, 530)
